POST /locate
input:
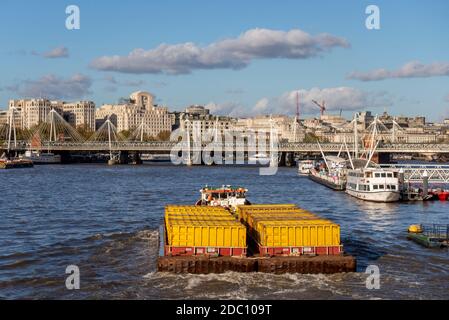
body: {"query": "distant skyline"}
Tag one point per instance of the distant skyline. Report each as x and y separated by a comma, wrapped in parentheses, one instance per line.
(238, 58)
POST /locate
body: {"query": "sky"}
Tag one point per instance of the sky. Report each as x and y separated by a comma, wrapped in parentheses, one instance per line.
(238, 58)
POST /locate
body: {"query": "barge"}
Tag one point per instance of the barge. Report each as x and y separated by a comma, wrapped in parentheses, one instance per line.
(331, 173)
(337, 183)
(274, 238)
(16, 163)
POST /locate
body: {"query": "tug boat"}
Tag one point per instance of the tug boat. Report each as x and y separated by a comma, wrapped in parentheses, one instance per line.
(225, 196)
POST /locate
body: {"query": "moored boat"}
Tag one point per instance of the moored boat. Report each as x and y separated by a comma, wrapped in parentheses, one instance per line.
(373, 184)
(15, 163)
(429, 235)
(331, 173)
(305, 166)
(42, 157)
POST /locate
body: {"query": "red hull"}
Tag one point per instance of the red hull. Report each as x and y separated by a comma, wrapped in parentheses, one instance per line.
(297, 251)
(204, 251)
(443, 196)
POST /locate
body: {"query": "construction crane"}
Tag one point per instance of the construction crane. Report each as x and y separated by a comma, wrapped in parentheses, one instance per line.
(322, 106)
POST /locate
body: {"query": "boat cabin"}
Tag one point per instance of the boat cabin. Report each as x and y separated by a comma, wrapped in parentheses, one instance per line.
(224, 196)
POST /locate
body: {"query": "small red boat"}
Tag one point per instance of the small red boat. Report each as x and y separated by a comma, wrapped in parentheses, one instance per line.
(443, 196)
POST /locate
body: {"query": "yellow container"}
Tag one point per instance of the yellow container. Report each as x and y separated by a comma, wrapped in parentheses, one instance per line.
(196, 211)
(242, 211)
(206, 234)
(247, 215)
(189, 217)
(297, 233)
(254, 219)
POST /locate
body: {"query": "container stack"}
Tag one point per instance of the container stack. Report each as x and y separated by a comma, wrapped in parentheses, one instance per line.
(200, 230)
(286, 230)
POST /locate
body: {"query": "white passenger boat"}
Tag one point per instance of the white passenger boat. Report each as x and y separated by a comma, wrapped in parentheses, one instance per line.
(42, 157)
(365, 179)
(373, 184)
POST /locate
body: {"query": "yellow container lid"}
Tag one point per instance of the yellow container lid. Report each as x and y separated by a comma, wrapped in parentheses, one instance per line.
(204, 223)
(295, 223)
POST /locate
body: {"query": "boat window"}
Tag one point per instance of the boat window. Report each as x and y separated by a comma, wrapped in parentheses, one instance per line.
(375, 187)
(367, 188)
(369, 174)
(393, 187)
(389, 175)
(388, 186)
(377, 175)
(395, 174)
(384, 175)
(381, 186)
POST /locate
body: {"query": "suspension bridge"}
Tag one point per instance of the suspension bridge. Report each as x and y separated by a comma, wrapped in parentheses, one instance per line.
(56, 135)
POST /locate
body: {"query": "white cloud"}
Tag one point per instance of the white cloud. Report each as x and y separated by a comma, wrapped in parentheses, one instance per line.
(232, 109)
(54, 87)
(336, 99)
(413, 69)
(234, 53)
(59, 52)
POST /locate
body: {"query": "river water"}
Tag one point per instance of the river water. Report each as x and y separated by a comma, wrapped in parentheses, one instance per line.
(105, 220)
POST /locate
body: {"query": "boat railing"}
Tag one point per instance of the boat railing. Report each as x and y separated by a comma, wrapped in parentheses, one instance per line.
(436, 231)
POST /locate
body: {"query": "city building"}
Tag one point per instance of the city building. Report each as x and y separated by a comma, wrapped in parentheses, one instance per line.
(79, 114)
(4, 117)
(32, 112)
(203, 121)
(138, 112)
(29, 113)
(288, 129)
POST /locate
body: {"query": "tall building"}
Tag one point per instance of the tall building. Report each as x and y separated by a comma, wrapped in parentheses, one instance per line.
(287, 128)
(200, 117)
(4, 117)
(138, 111)
(80, 114)
(33, 111)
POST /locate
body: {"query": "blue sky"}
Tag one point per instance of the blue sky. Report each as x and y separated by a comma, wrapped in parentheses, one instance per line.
(410, 31)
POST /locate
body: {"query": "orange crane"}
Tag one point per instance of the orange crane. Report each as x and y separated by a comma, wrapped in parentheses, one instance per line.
(322, 106)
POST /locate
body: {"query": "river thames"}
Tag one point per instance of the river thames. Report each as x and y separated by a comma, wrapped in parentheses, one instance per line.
(105, 220)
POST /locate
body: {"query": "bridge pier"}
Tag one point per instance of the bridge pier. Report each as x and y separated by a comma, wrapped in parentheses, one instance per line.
(289, 159)
(381, 157)
(282, 159)
(65, 156)
(124, 157)
(136, 158)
